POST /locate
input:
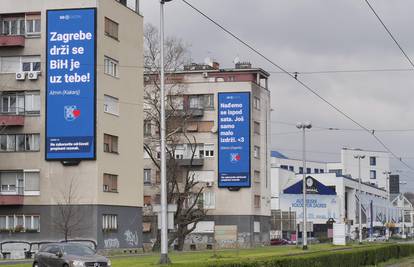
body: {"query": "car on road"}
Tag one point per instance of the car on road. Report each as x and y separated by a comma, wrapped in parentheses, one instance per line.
(69, 255)
(279, 242)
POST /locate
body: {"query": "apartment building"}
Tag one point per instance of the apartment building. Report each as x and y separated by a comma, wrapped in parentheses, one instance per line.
(84, 158)
(237, 215)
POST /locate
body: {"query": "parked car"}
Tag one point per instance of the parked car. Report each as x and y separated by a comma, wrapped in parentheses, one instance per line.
(279, 242)
(69, 255)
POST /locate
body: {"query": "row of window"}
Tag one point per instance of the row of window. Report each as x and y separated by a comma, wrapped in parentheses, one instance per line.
(20, 223)
(19, 142)
(207, 200)
(19, 63)
(20, 103)
(29, 25)
(20, 182)
(308, 170)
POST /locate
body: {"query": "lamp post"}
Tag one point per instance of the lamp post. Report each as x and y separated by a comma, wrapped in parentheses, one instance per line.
(359, 157)
(387, 214)
(303, 127)
(164, 259)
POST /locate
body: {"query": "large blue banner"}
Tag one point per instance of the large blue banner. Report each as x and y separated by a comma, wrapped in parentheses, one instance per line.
(70, 84)
(234, 139)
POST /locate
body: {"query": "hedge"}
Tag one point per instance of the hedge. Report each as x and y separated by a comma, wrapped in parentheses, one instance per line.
(339, 258)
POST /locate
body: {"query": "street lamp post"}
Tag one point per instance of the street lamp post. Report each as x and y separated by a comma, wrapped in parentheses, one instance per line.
(359, 157)
(387, 213)
(164, 259)
(303, 127)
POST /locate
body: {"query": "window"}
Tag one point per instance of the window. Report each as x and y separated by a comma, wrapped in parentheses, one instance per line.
(308, 170)
(209, 200)
(257, 201)
(13, 26)
(110, 222)
(111, 28)
(32, 102)
(195, 102)
(372, 161)
(372, 174)
(256, 103)
(291, 168)
(110, 183)
(176, 102)
(256, 127)
(208, 150)
(316, 170)
(30, 63)
(209, 101)
(300, 169)
(147, 176)
(257, 152)
(147, 128)
(285, 167)
(33, 26)
(8, 181)
(111, 105)
(20, 223)
(179, 151)
(19, 142)
(31, 183)
(12, 103)
(147, 201)
(111, 66)
(110, 143)
(321, 170)
(256, 176)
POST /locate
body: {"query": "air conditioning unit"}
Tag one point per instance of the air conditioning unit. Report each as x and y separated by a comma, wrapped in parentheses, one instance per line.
(205, 74)
(209, 184)
(20, 76)
(33, 75)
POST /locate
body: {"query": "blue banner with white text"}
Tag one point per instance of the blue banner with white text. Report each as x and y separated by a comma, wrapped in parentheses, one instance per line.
(234, 139)
(70, 84)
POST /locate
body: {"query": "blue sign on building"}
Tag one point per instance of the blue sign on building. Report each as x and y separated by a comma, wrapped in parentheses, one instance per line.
(71, 84)
(234, 139)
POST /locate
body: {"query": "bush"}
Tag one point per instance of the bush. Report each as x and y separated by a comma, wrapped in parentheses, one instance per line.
(344, 258)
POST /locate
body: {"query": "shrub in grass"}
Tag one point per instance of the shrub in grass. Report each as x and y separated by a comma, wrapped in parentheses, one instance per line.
(347, 258)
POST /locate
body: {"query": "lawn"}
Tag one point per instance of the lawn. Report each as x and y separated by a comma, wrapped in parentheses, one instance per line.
(196, 258)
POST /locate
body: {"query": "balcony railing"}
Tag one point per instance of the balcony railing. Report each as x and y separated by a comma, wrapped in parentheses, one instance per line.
(12, 117)
(12, 40)
(12, 196)
(191, 162)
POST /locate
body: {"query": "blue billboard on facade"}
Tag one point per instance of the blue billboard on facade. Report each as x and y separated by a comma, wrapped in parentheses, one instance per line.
(234, 139)
(70, 84)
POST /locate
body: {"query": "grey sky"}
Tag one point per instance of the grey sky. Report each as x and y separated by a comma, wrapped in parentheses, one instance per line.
(303, 35)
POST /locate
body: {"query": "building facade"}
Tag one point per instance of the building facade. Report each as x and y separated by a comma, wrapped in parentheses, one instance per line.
(105, 193)
(243, 213)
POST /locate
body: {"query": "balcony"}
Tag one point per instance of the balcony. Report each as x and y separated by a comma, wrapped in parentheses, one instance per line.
(12, 197)
(12, 40)
(196, 112)
(11, 119)
(11, 200)
(191, 162)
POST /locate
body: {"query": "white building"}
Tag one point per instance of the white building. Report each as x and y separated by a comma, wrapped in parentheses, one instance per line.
(333, 190)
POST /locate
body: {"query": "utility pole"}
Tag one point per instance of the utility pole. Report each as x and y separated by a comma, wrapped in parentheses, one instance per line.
(359, 157)
(304, 126)
(164, 259)
(387, 214)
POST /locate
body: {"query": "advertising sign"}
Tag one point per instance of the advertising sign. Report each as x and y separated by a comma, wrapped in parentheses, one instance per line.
(234, 139)
(70, 84)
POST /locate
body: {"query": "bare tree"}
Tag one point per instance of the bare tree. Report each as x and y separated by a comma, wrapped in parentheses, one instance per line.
(70, 219)
(183, 190)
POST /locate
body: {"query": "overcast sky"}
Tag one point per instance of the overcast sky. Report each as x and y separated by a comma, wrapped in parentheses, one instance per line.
(317, 35)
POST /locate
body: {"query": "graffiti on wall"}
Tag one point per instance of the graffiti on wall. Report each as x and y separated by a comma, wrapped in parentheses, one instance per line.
(111, 243)
(131, 238)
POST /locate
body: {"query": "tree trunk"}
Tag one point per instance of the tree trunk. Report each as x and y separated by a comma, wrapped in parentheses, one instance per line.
(157, 245)
(180, 239)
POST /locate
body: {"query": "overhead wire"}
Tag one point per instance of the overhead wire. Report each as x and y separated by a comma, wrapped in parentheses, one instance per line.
(303, 84)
